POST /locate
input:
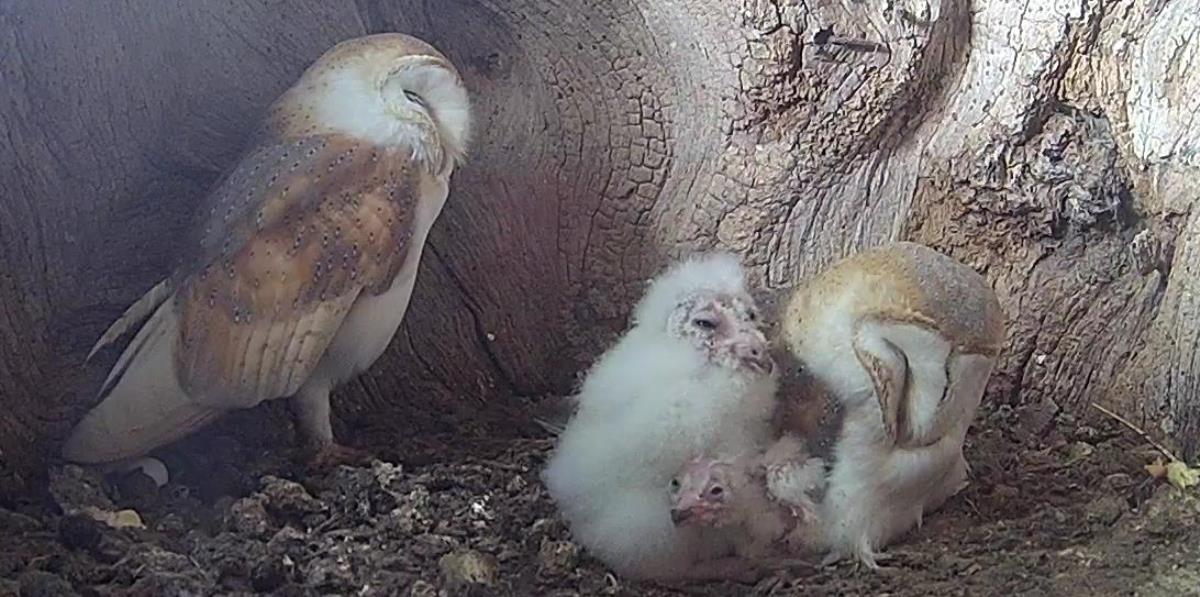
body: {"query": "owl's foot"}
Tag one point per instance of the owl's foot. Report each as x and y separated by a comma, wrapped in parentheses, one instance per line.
(832, 558)
(334, 454)
(872, 559)
(864, 555)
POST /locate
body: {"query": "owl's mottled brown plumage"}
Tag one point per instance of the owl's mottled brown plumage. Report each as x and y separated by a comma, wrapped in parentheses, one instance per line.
(333, 221)
(303, 257)
(913, 283)
(901, 285)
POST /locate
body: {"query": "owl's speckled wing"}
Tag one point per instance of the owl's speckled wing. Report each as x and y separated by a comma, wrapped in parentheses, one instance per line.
(888, 370)
(291, 238)
(346, 175)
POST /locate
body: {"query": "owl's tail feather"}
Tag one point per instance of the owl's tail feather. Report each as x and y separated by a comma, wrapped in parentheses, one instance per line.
(553, 413)
(142, 403)
(135, 314)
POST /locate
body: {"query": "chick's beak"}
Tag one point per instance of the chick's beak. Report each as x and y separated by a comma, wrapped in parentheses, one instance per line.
(680, 516)
(754, 353)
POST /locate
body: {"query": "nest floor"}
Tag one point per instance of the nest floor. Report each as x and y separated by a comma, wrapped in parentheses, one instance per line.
(1066, 508)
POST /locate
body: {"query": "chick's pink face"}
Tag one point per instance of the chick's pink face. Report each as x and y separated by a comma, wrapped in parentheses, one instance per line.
(701, 495)
(726, 328)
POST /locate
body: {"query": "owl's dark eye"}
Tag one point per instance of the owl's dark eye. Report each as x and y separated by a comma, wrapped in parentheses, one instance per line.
(674, 484)
(752, 316)
(414, 98)
(716, 491)
(704, 324)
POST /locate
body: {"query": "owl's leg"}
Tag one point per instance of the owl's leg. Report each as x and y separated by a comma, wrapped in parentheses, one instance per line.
(870, 558)
(832, 558)
(313, 414)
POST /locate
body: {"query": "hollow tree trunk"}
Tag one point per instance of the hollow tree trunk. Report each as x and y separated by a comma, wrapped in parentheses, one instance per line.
(1052, 144)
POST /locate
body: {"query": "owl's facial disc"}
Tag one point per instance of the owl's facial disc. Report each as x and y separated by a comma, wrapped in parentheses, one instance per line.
(702, 494)
(403, 101)
(725, 328)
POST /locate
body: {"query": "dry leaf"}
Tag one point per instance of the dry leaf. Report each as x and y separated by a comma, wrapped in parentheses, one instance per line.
(1157, 469)
(1182, 476)
(117, 520)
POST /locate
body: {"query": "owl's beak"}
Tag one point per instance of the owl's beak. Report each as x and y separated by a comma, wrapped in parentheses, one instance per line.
(754, 353)
(680, 516)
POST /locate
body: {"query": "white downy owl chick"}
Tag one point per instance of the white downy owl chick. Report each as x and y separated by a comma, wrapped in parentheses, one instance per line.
(301, 264)
(795, 479)
(905, 339)
(692, 375)
(732, 494)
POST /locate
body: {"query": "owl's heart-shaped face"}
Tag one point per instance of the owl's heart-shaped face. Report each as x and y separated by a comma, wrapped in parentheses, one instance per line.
(725, 327)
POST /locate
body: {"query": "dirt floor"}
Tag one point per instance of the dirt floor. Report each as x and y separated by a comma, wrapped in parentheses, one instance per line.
(1057, 507)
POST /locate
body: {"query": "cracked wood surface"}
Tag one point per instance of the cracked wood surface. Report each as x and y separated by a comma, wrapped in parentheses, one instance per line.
(1052, 145)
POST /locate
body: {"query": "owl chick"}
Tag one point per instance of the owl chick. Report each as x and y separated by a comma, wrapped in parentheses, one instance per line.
(691, 375)
(795, 479)
(905, 339)
(303, 259)
(732, 493)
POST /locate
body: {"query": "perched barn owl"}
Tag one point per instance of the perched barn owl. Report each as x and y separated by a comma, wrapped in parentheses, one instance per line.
(905, 339)
(692, 375)
(304, 257)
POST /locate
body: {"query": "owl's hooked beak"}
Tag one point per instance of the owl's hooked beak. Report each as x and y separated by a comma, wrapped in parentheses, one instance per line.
(680, 515)
(753, 352)
(416, 99)
(404, 104)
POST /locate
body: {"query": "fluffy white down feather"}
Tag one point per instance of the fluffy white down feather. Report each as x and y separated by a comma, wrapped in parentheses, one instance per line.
(874, 496)
(716, 272)
(648, 405)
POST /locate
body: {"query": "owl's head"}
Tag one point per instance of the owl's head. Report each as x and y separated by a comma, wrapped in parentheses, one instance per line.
(704, 492)
(390, 89)
(703, 301)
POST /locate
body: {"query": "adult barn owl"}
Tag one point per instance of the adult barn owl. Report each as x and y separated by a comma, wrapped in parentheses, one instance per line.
(304, 255)
(905, 338)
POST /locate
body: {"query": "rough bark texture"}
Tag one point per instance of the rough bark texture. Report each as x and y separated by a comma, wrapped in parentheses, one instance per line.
(1054, 145)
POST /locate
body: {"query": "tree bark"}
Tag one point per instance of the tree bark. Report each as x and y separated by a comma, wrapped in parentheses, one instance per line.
(1051, 144)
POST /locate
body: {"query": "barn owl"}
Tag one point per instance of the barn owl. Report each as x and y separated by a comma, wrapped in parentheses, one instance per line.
(692, 374)
(905, 339)
(304, 256)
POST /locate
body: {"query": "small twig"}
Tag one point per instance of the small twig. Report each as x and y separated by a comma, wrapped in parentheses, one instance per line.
(1134, 428)
(332, 520)
(512, 468)
(971, 504)
(1041, 468)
